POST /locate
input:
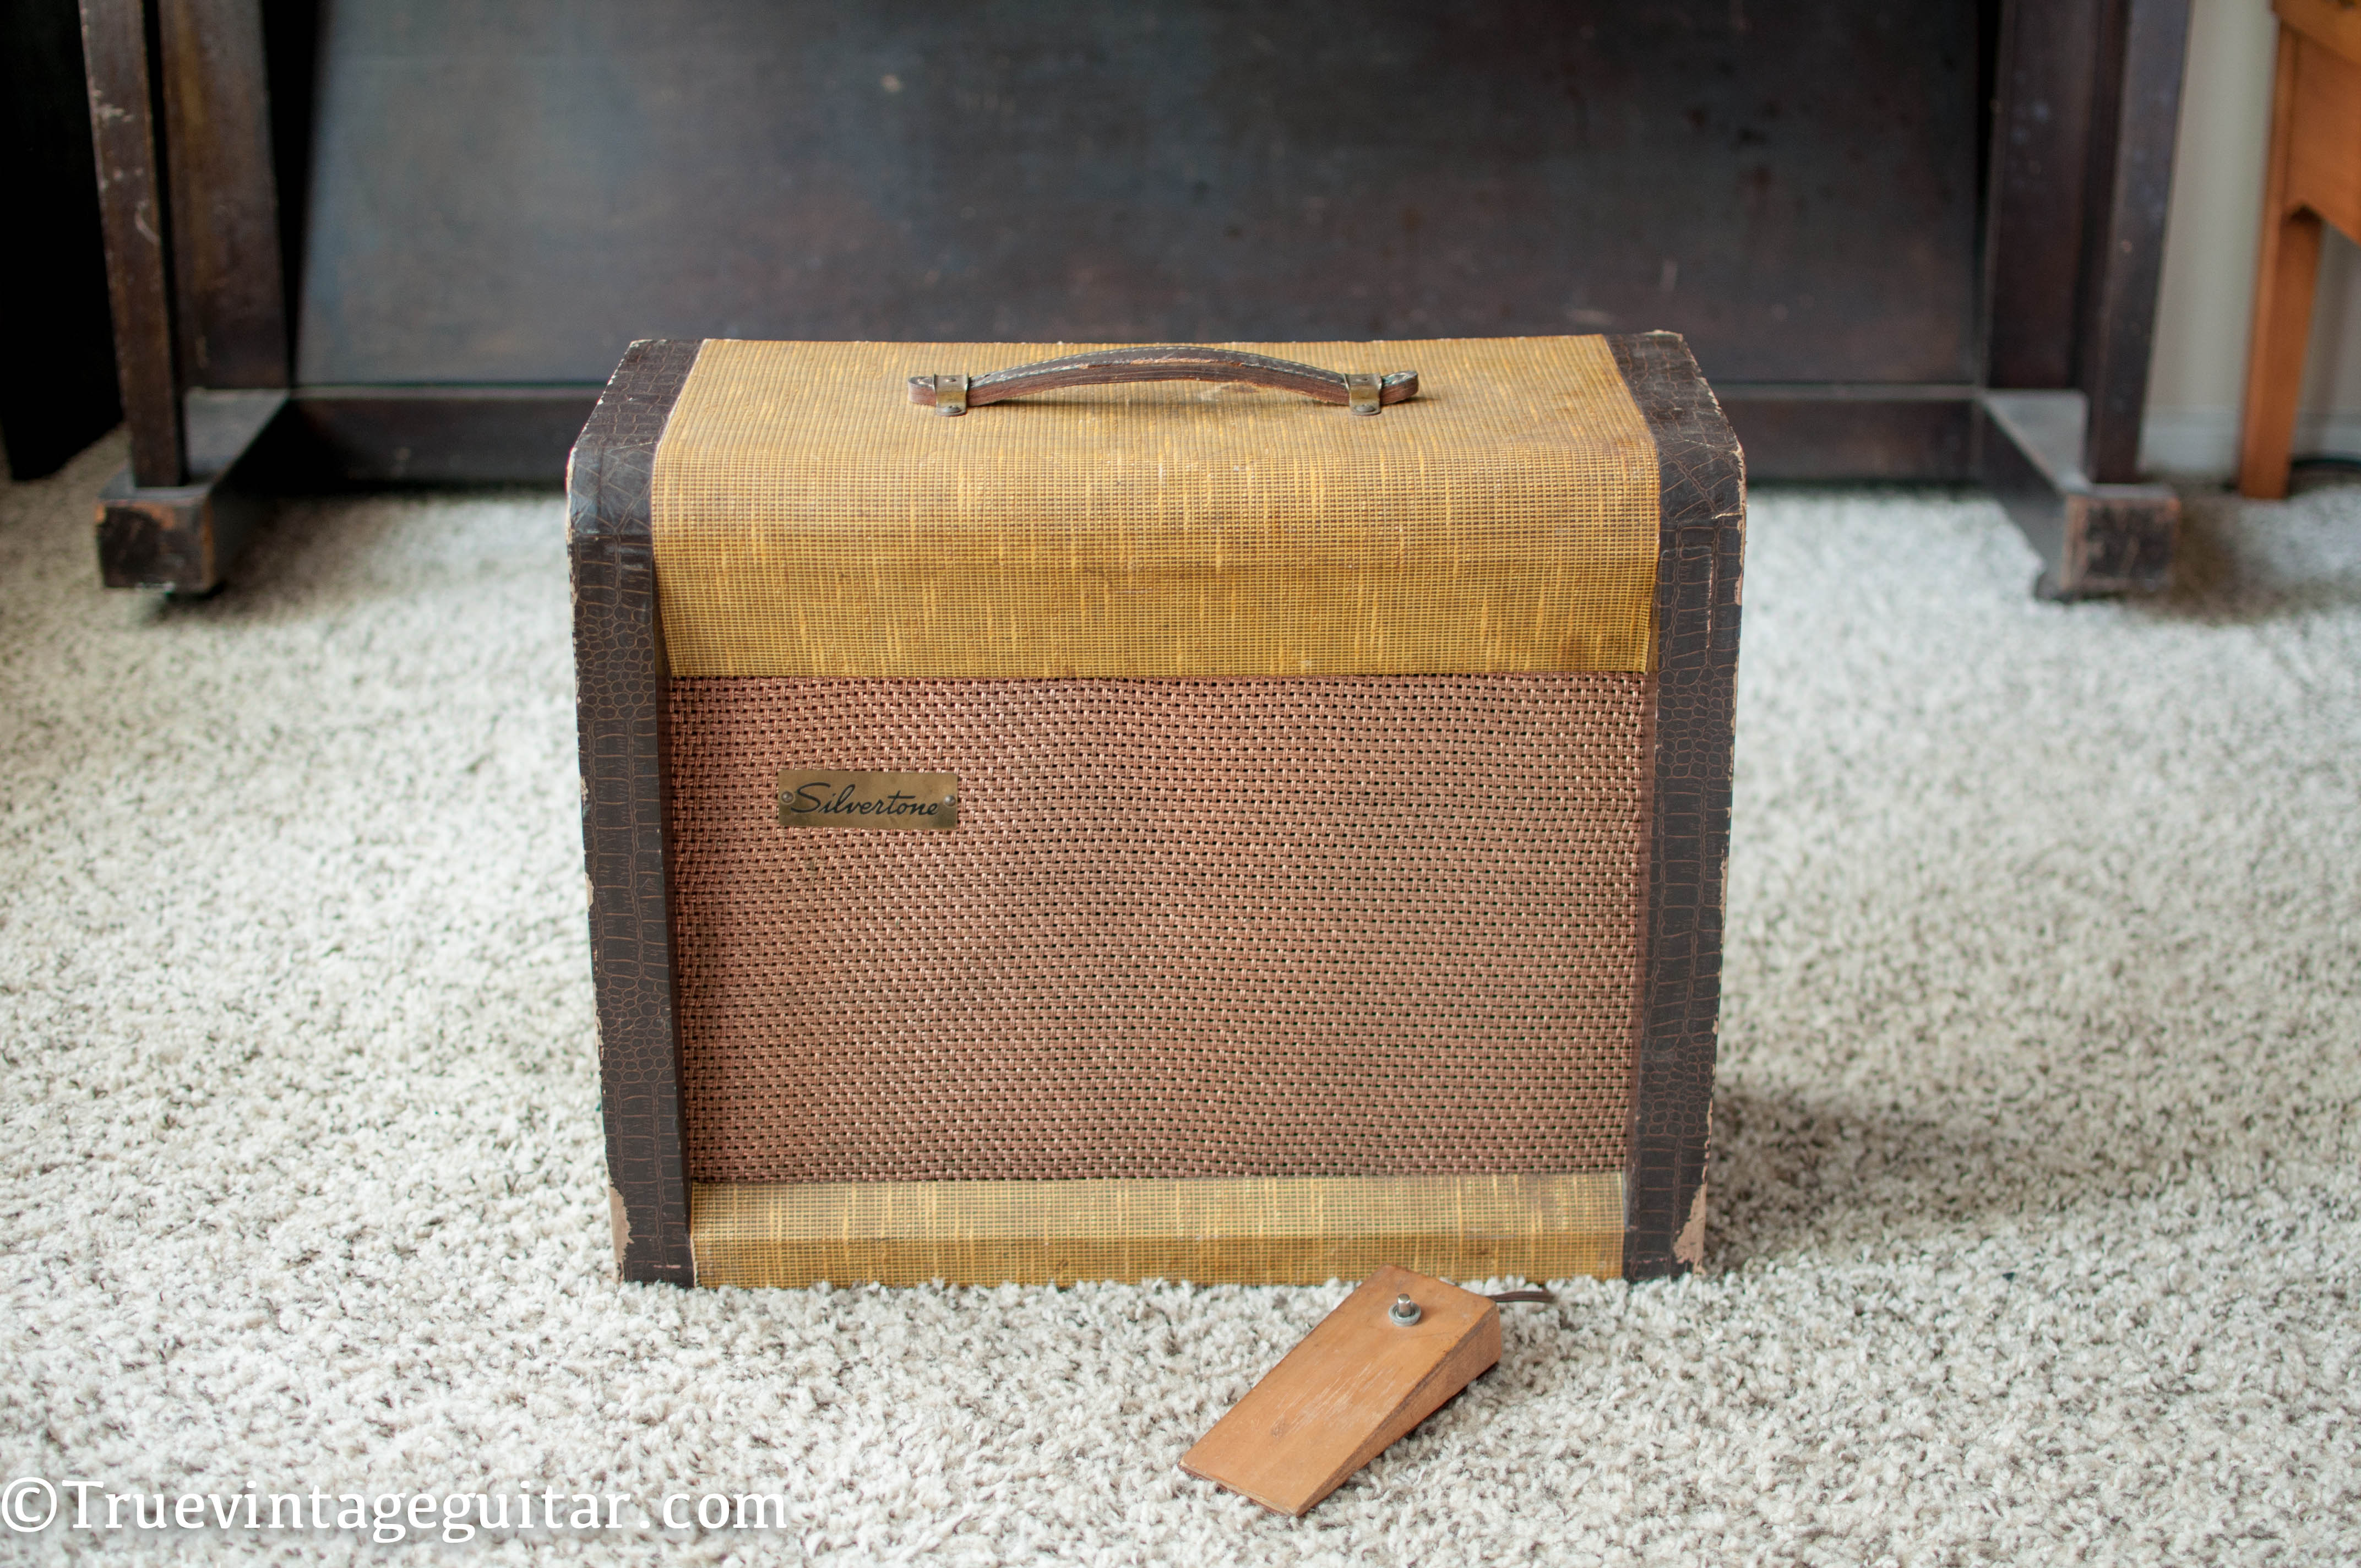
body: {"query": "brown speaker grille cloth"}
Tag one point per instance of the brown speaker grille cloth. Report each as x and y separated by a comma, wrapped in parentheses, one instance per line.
(1354, 926)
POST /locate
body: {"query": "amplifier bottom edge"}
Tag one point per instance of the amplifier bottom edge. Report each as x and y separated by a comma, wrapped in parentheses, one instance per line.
(1229, 1230)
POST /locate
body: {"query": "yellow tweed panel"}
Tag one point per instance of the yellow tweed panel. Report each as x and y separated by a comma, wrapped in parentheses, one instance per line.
(1248, 1229)
(809, 520)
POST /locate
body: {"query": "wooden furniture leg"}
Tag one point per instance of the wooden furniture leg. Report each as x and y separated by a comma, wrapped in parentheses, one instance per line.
(2289, 266)
(2314, 177)
(131, 211)
(2086, 116)
(200, 322)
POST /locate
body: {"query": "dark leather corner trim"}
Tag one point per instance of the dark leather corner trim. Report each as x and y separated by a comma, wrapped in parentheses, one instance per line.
(1702, 479)
(608, 472)
(620, 677)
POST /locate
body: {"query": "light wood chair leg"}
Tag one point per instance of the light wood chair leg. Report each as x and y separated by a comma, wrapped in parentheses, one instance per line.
(2287, 270)
(2291, 264)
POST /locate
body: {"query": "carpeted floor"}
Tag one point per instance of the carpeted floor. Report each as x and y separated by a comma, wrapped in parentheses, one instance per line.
(2037, 1178)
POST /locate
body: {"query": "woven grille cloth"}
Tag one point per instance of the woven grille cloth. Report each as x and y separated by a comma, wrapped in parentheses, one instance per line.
(808, 520)
(1374, 925)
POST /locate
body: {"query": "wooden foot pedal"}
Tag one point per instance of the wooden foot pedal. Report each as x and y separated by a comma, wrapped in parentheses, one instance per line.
(1387, 1359)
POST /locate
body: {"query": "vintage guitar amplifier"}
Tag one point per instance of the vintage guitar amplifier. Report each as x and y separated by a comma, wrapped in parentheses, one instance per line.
(1234, 814)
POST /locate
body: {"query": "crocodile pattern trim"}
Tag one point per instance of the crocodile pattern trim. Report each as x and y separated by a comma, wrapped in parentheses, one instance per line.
(621, 681)
(1703, 502)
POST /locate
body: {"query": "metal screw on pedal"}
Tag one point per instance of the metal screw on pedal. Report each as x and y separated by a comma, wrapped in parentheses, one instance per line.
(1404, 1312)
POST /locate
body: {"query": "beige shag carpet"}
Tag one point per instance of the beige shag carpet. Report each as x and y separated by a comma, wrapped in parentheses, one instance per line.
(2037, 1178)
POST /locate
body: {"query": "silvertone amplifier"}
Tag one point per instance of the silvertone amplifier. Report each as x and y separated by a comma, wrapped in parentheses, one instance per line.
(1251, 813)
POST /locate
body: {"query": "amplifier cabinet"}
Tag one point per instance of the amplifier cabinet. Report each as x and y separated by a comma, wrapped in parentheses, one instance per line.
(1251, 813)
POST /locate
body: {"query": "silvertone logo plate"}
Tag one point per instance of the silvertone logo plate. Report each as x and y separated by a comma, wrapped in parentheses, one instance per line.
(808, 799)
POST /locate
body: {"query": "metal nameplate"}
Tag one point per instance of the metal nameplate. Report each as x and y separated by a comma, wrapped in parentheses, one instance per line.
(821, 799)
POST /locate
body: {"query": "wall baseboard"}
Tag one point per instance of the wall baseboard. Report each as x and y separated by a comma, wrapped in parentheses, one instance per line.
(2202, 443)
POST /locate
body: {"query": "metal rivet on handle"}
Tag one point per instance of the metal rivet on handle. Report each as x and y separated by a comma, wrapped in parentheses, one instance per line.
(944, 394)
(1365, 389)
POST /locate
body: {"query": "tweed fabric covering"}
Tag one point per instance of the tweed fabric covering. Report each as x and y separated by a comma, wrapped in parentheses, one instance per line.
(1270, 1231)
(1378, 925)
(808, 520)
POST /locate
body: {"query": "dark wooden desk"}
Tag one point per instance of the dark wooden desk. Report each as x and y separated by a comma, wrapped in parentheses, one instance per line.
(1864, 216)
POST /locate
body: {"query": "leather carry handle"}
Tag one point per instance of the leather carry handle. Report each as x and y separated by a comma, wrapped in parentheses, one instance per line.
(1362, 392)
